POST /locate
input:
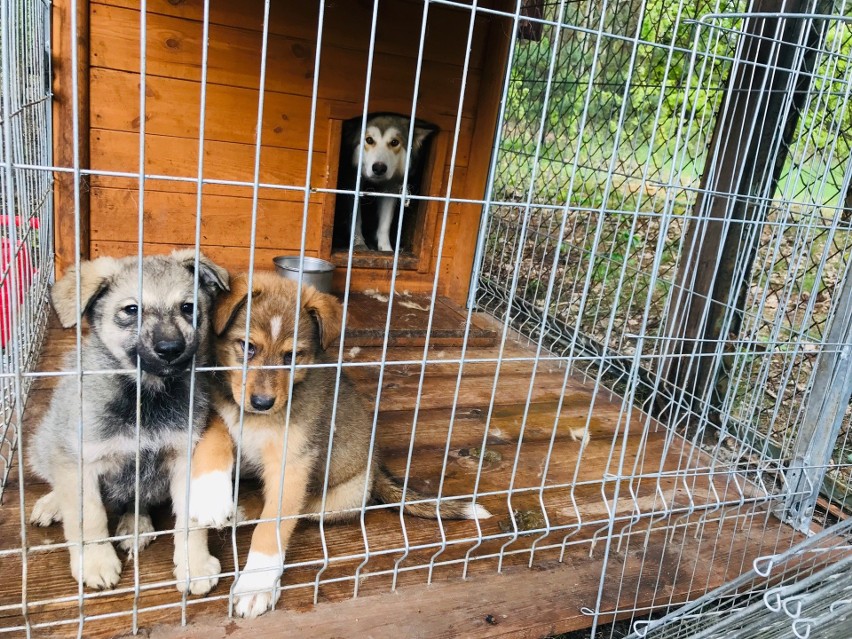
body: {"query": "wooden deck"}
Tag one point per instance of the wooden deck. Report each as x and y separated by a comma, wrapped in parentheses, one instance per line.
(651, 568)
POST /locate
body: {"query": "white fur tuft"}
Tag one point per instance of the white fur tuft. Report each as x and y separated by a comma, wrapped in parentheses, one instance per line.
(275, 326)
(477, 511)
(354, 351)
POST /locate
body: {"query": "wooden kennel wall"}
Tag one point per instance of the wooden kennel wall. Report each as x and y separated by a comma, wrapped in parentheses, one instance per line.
(109, 124)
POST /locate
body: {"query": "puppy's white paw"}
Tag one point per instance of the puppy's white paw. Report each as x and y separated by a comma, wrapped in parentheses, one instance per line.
(46, 511)
(125, 527)
(101, 565)
(204, 570)
(255, 591)
(211, 500)
(385, 246)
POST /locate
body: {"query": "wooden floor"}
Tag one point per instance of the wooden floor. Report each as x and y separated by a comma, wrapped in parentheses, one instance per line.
(650, 568)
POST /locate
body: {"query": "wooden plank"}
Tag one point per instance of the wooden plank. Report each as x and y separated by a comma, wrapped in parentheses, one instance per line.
(517, 603)
(456, 281)
(329, 200)
(170, 218)
(178, 157)
(115, 102)
(286, 117)
(64, 141)
(234, 258)
(174, 50)
(237, 258)
(425, 233)
(409, 321)
(346, 24)
(115, 106)
(578, 495)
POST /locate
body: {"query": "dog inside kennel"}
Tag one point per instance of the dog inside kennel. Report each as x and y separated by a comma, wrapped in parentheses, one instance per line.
(570, 349)
(386, 139)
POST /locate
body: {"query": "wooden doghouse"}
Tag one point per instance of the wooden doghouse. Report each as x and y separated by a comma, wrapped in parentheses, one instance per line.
(109, 126)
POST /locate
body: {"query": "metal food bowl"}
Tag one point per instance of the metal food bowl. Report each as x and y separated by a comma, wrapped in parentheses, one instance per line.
(317, 273)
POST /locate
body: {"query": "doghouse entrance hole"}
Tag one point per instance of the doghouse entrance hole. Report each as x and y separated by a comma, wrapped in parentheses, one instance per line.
(413, 216)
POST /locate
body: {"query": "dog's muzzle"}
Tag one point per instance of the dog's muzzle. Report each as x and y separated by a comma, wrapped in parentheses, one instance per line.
(167, 357)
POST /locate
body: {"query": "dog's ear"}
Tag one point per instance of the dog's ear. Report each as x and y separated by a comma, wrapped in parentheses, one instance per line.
(231, 303)
(421, 134)
(326, 311)
(94, 280)
(212, 276)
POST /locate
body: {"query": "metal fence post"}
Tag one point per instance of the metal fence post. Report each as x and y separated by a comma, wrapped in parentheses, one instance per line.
(826, 406)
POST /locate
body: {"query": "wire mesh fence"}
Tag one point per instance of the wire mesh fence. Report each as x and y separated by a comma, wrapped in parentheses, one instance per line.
(26, 208)
(662, 256)
(799, 593)
(633, 157)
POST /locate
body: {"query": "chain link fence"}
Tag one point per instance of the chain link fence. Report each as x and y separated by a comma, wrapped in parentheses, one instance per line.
(616, 121)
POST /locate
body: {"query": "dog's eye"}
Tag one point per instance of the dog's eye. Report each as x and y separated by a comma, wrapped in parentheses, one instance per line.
(288, 357)
(250, 349)
(394, 142)
(186, 308)
(369, 140)
(131, 309)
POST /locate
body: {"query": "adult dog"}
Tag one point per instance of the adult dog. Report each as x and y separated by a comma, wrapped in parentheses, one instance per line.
(352, 475)
(387, 151)
(165, 330)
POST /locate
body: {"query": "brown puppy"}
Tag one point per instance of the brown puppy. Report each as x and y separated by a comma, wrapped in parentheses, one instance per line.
(270, 343)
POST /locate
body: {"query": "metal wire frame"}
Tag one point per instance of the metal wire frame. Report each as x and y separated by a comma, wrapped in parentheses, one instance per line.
(642, 220)
(602, 322)
(804, 591)
(27, 209)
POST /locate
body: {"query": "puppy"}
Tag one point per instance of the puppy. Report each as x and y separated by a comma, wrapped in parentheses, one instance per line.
(271, 342)
(165, 345)
(387, 151)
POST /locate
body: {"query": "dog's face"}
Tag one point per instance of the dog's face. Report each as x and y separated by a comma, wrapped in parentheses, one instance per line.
(271, 337)
(156, 325)
(386, 148)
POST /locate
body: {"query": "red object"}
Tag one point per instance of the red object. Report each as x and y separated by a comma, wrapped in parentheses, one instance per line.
(26, 275)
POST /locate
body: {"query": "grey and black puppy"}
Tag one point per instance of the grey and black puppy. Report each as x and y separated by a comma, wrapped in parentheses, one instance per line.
(165, 344)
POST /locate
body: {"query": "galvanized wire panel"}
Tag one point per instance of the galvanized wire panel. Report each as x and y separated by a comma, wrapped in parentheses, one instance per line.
(616, 153)
(26, 206)
(623, 149)
(803, 592)
(607, 155)
(599, 194)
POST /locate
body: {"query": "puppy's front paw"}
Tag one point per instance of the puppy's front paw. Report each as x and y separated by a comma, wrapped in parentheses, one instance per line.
(101, 565)
(125, 527)
(211, 500)
(46, 511)
(255, 591)
(204, 570)
(385, 246)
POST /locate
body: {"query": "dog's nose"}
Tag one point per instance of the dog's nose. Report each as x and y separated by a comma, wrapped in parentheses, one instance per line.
(380, 168)
(262, 402)
(169, 349)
